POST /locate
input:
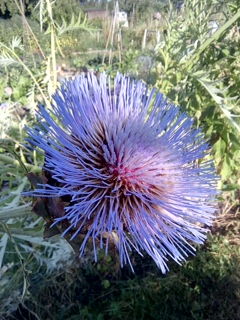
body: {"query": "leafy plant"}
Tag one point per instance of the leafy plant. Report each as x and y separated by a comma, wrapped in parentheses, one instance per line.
(193, 70)
(22, 249)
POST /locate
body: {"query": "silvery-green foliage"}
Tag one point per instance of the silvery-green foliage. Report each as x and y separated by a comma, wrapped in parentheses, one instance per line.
(198, 68)
(22, 249)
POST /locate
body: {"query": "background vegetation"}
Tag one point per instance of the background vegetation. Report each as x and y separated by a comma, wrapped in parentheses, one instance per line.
(196, 65)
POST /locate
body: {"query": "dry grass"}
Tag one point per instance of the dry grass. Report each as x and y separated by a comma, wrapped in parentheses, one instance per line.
(227, 222)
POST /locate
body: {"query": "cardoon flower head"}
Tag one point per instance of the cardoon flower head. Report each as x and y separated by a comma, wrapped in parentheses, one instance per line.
(125, 164)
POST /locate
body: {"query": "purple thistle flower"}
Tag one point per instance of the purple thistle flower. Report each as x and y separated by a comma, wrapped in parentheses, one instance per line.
(127, 159)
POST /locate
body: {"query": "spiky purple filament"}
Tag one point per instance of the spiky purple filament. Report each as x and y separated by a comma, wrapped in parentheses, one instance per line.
(126, 158)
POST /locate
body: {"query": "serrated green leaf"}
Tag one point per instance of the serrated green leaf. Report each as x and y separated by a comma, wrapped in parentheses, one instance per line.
(235, 141)
(34, 239)
(219, 149)
(226, 169)
(16, 212)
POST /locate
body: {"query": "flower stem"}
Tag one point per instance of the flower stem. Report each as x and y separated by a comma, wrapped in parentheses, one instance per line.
(8, 160)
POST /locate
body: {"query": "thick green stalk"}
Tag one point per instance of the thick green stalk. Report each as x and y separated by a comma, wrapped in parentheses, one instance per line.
(21, 10)
(9, 160)
(53, 55)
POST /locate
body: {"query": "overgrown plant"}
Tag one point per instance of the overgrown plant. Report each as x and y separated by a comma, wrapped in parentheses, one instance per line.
(11, 53)
(198, 68)
(21, 243)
